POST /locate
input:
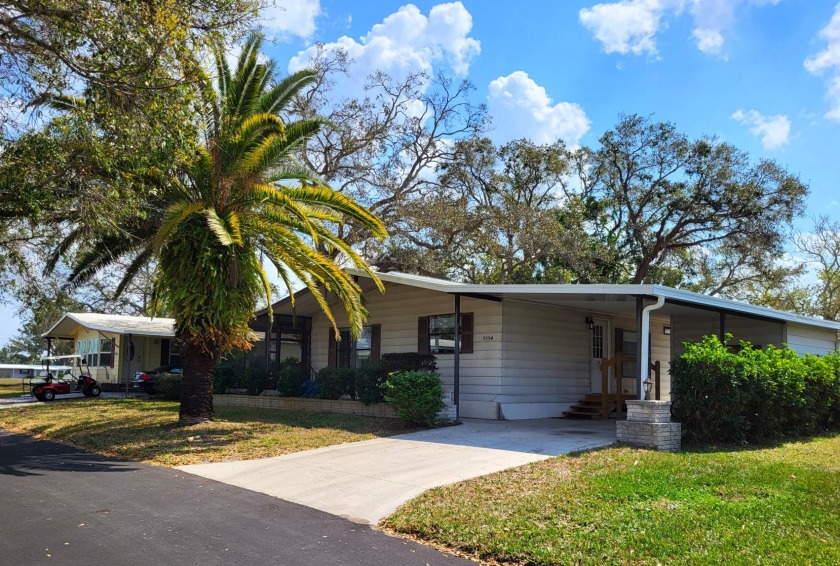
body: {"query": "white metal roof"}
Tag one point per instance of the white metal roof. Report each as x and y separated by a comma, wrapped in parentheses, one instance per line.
(114, 323)
(29, 366)
(535, 291)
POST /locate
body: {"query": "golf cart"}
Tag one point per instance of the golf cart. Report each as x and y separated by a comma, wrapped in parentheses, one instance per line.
(75, 379)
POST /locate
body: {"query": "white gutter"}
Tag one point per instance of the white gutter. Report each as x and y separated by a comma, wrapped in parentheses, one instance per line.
(644, 343)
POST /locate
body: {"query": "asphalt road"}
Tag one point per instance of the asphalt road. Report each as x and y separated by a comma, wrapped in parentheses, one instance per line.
(60, 505)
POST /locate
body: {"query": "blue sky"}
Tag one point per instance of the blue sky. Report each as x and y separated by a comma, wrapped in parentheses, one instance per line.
(756, 73)
(761, 74)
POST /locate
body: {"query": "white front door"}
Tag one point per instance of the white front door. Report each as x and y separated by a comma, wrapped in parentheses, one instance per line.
(135, 353)
(600, 348)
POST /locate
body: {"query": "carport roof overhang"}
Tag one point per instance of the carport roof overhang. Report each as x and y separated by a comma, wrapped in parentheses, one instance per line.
(111, 323)
(607, 298)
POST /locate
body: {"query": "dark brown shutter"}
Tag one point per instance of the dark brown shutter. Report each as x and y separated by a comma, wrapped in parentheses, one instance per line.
(467, 333)
(331, 349)
(619, 341)
(375, 338)
(423, 335)
(164, 351)
(113, 350)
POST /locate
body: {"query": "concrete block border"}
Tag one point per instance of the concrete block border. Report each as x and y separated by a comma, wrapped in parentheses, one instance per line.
(342, 406)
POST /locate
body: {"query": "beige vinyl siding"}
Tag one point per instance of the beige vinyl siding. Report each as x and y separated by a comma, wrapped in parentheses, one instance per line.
(397, 312)
(757, 332)
(101, 374)
(545, 354)
(811, 340)
(691, 329)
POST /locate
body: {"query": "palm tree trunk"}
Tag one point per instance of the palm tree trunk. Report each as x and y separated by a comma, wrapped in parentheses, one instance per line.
(197, 389)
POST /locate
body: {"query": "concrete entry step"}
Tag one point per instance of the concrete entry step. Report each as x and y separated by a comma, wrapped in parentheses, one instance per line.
(590, 406)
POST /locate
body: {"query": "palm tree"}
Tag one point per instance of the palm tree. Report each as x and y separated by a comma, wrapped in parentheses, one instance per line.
(242, 198)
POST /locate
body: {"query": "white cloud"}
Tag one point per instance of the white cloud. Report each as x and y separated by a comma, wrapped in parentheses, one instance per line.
(408, 41)
(628, 26)
(522, 109)
(713, 17)
(828, 60)
(774, 131)
(287, 19)
(708, 40)
(631, 26)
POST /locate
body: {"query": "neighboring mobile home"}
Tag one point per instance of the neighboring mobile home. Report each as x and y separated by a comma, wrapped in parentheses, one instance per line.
(116, 346)
(527, 351)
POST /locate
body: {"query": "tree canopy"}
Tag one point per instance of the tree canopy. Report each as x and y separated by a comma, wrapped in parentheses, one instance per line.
(241, 197)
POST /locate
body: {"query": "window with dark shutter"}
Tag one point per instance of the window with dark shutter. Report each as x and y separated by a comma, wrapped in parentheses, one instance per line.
(436, 334)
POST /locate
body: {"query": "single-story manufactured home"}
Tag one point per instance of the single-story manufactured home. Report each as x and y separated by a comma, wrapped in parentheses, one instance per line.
(530, 351)
(115, 346)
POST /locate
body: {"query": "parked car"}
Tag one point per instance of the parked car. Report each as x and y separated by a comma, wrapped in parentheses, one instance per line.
(145, 380)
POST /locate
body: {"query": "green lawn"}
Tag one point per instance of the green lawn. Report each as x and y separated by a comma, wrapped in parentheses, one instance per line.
(778, 505)
(145, 430)
(10, 387)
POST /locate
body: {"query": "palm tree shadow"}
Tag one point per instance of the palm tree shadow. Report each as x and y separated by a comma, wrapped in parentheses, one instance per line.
(22, 455)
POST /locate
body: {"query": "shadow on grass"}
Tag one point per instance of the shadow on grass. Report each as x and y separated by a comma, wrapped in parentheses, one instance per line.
(149, 430)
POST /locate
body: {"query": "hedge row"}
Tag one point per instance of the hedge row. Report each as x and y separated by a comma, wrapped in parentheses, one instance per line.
(752, 395)
(366, 384)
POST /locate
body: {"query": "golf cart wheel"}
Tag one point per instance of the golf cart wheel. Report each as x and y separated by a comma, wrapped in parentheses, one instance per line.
(94, 391)
(48, 395)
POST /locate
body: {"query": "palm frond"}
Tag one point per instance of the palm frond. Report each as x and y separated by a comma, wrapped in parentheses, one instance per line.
(173, 217)
(218, 227)
(139, 262)
(284, 92)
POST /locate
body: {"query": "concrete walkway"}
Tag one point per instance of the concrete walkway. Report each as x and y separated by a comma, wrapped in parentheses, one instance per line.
(366, 481)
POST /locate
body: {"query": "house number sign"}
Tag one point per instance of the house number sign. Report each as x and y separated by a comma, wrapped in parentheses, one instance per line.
(488, 338)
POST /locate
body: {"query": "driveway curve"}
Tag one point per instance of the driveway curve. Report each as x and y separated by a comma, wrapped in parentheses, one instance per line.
(367, 481)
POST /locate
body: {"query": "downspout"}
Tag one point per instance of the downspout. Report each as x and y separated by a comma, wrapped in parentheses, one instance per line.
(644, 343)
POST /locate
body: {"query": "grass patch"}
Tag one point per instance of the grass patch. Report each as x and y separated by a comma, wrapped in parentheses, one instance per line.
(778, 505)
(10, 387)
(146, 430)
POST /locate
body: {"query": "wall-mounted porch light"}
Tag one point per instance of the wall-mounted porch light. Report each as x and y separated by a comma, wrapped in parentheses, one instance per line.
(590, 322)
(667, 330)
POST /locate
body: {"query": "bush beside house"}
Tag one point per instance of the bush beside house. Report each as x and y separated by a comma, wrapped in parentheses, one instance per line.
(416, 396)
(720, 395)
(413, 385)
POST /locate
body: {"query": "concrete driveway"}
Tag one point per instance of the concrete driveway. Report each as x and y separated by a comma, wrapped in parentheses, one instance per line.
(366, 481)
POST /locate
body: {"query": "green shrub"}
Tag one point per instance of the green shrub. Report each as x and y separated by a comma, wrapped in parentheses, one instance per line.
(335, 382)
(407, 361)
(753, 395)
(416, 396)
(252, 379)
(224, 377)
(290, 378)
(369, 381)
(168, 386)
